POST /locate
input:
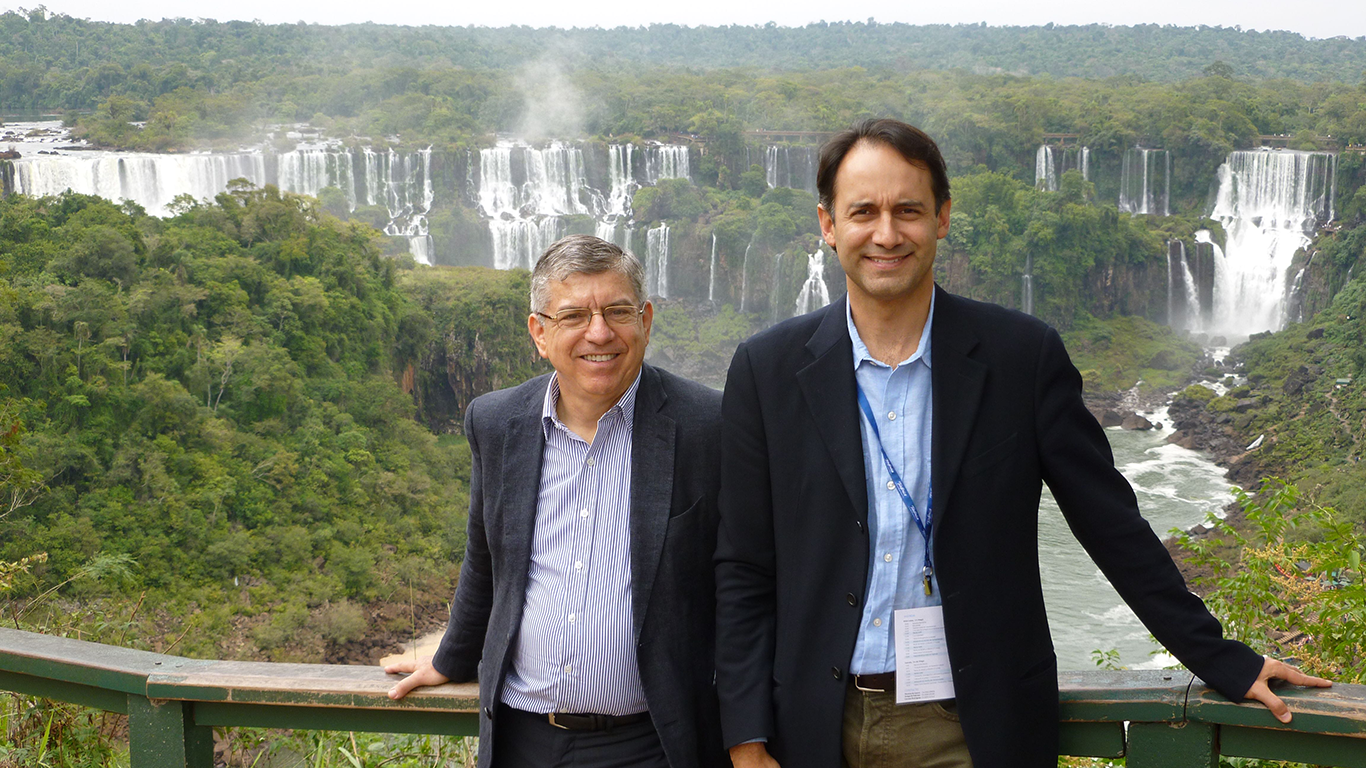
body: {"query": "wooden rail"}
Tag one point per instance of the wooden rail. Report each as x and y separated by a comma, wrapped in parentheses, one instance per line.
(1152, 718)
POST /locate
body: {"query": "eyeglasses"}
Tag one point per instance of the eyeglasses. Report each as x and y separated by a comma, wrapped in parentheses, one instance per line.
(575, 318)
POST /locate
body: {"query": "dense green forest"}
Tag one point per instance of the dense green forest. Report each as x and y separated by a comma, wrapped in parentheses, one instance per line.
(210, 407)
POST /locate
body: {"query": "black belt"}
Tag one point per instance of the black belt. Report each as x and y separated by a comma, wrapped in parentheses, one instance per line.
(884, 682)
(594, 722)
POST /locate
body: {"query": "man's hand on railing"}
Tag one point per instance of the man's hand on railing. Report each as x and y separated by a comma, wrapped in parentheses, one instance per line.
(420, 673)
(1274, 669)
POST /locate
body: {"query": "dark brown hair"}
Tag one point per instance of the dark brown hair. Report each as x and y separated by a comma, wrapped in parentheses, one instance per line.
(911, 142)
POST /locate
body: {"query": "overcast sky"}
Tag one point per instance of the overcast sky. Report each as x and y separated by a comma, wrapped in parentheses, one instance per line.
(1312, 18)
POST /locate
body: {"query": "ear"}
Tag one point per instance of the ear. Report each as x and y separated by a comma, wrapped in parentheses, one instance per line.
(537, 331)
(647, 318)
(944, 219)
(827, 226)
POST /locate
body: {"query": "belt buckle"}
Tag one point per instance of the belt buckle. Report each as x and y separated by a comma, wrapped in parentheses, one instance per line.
(551, 718)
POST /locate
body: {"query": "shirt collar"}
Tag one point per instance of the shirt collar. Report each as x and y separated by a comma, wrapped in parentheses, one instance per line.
(861, 354)
(625, 407)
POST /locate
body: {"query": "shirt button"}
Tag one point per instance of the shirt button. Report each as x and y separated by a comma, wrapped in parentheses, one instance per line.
(887, 558)
(877, 622)
(583, 513)
(568, 668)
(591, 461)
(891, 486)
(571, 618)
(578, 565)
(891, 415)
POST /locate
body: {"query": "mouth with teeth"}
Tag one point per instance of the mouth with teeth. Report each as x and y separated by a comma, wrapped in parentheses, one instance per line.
(600, 358)
(887, 260)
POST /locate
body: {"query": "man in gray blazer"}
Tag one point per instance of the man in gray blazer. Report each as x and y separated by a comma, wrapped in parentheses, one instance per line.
(586, 602)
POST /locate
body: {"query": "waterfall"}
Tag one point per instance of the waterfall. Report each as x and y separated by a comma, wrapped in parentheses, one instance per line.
(524, 201)
(1269, 203)
(774, 307)
(744, 276)
(400, 181)
(814, 293)
(150, 180)
(1171, 319)
(1086, 163)
(711, 275)
(1138, 182)
(666, 161)
(788, 166)
(1027, 285)
(1045, 172)
(1194, 314)
(657, 261)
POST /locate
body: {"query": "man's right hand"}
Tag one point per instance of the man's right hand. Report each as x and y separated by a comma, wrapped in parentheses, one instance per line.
(752, 755)
(420, 673)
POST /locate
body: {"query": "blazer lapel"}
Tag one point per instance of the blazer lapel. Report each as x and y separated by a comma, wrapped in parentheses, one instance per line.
(831, 393)
(523, 445)
(652, 481)
(958, 380)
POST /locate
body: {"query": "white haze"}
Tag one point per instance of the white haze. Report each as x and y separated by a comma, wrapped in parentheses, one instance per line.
(553, 106)
(1312, 18)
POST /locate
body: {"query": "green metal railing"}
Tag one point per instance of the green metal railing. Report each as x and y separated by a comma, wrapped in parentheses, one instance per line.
(1152, 718)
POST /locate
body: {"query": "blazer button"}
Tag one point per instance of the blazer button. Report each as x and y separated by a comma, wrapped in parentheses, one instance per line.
(835, 672)
(488, 712)
(852, 600)
(859, 523)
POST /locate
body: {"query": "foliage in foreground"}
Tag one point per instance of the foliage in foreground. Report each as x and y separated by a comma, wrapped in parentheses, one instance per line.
(1291, 586)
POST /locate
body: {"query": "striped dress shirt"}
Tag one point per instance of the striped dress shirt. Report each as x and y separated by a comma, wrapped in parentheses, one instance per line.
(575, 651)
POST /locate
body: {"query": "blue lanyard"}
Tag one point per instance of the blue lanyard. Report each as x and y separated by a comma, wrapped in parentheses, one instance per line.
(925, 526)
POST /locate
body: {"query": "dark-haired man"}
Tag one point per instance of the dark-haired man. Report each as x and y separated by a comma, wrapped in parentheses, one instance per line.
(881, 467)
(585, 603)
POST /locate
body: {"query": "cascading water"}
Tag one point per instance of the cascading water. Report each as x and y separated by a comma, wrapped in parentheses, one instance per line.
(525, 209)
(1145, 182)
(666, 161)
(744, 277)
(1027, 285)
(152, 181)
(814, 294)
(616, 209)
(1269, 203)
(657, 261)
(400, 181)
(711, 274)
(1045, 172)
(789, 166)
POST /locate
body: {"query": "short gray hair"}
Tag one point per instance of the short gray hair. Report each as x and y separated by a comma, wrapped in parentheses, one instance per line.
(583, 255)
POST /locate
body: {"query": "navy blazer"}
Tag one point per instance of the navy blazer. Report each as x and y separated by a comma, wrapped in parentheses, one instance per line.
(792, 557)
(675, 461)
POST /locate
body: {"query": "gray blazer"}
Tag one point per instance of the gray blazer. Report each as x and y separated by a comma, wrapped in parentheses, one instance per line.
(675, 472)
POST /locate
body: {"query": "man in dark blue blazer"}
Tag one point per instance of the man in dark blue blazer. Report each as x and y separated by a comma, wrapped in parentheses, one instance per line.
(585, 606)
(883, 459)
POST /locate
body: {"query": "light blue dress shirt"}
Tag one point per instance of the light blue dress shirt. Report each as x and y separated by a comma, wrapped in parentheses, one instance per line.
(902, 401)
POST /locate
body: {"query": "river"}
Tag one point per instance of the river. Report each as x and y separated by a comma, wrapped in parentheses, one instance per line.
(1176, 488)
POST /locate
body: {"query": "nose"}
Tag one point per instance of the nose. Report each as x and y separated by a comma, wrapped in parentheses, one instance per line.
(598, 331)
(886, 234)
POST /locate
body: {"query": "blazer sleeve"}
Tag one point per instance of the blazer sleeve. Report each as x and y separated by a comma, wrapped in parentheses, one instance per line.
(1102, 511)
(745, 564)
(458, 654)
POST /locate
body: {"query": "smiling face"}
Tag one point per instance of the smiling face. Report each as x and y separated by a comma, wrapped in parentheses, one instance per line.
(883, 226)
(597, 364)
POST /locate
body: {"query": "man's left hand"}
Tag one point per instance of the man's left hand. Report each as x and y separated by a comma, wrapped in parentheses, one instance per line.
(1279, 670)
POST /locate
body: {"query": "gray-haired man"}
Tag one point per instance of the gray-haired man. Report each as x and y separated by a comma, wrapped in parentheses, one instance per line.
(585, 605)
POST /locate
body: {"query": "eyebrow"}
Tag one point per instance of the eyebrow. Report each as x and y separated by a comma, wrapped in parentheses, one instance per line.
(911, 202)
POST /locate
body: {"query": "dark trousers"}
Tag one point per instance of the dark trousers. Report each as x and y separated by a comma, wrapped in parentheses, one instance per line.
(524, 740)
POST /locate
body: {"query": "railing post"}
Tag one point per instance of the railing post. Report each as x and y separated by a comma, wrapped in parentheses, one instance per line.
(162, 734)
(1172, 745)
